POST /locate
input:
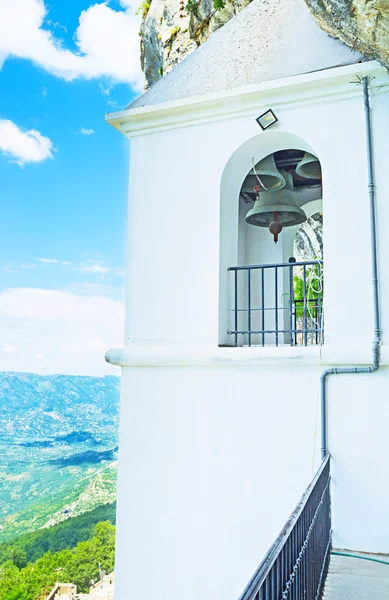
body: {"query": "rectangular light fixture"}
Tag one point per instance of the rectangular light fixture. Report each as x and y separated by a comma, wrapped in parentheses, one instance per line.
(267, 119)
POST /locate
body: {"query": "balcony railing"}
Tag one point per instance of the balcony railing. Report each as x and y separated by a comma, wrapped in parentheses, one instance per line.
(277, 304)
(296, 565)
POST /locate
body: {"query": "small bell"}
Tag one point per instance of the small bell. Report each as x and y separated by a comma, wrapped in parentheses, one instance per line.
(309, 167)
(269, 176)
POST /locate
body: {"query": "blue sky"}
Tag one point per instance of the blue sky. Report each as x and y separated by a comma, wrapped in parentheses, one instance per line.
(63, 175)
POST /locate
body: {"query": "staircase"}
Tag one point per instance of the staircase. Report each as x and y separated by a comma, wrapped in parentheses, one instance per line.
(61, 591)
(302, 565)
(49, 594)
(296, 565)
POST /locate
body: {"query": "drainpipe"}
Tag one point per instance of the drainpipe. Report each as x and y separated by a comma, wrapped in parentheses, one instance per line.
(376, 311)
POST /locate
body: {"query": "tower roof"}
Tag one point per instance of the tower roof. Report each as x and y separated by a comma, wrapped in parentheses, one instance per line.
(269, 39)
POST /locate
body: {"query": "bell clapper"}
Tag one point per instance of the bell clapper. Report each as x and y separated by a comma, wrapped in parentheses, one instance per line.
(275, 227)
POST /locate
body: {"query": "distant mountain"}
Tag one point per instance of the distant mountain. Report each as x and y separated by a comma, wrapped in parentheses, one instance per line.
(89, 457)
(58, 448)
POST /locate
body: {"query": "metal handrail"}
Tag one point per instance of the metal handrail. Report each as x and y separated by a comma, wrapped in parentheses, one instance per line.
(272, 265)
(254, 322)
(268, 568)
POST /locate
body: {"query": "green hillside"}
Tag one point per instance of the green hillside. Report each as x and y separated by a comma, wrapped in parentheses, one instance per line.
(66, 535)
(70, 552)
(83, 495)
(58, 444)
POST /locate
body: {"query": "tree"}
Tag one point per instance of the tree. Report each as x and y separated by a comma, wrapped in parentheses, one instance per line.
(81, 564)
(9, 580)
(18, 556)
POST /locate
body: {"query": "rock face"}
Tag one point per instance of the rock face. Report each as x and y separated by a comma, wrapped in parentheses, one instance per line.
(308, 243)
(361, 24)
(172, 29)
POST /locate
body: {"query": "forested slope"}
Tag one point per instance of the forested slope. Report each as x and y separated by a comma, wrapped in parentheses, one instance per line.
(23, 576)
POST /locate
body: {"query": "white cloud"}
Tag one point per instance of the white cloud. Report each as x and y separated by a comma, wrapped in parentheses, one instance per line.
(14, 266)
(90, 265)
(53, 261)
(107, 41)
(129, 3)
(105, 89)
(84, 131)
(94, 269)
(23, 146)
(48, 260)
(87, 288)
(50, 331)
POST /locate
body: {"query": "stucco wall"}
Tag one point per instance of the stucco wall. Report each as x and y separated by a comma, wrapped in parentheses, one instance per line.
(217, 444)
(211, 463)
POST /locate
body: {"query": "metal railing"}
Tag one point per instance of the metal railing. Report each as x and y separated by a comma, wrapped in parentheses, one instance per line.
(279, 303)
(296, 565)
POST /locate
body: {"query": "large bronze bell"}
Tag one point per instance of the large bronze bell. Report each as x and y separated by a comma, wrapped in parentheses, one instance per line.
(269, 176)
(279, 207)
(309, 167)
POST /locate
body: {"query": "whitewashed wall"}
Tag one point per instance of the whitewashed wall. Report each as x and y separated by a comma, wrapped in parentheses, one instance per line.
(210, 466)
(217, 444)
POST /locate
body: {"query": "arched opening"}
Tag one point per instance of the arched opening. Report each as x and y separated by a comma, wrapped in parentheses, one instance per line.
(268, 296)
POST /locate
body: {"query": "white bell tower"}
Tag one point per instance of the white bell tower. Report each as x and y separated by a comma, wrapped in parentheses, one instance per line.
(218, 440)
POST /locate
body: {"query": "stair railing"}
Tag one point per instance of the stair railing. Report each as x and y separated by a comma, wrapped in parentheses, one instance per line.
(296, 565)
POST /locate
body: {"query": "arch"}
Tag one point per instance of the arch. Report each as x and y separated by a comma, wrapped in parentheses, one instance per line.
(236, 169)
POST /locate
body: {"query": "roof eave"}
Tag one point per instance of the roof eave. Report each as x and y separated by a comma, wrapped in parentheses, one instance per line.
(165, 115)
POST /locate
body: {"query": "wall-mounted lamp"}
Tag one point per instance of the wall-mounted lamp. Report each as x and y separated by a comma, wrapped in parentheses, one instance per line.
(267, 119)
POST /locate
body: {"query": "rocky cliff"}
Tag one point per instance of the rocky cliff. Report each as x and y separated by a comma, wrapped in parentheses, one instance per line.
(361, 24)
(172, 29)
(308, 242)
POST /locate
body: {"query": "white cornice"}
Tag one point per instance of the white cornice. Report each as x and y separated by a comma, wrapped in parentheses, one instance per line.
(172, 355)
(320, 86)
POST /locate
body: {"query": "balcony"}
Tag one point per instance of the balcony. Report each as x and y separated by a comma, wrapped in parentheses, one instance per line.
(277, 304)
